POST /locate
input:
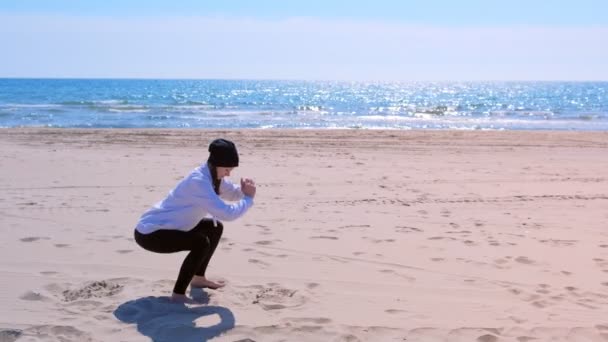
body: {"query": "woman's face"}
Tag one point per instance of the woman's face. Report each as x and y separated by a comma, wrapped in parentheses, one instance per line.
(223, 172)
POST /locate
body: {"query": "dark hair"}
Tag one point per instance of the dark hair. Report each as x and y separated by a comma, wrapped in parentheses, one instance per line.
(216, 182)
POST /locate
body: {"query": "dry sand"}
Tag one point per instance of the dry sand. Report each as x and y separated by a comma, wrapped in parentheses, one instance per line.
(355, 236)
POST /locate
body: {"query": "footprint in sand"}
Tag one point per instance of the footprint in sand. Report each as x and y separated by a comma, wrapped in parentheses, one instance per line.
(10, 335)
(33, 296)
(397, 274)
(265, 254)
(441, 238)
(524, 260)
(500, 261)
(355, 226)
(543, 289)
(315, 320)
(601, 262)
(558, 243)
(541, 304)
(394, 311)
(258, 262)
(98, 239)
(124, 251)
(94, 289)
(311, 286)
(571, 289)
(515, 291)
(383, 240)
(325, 237)
(33, 238)
(487, 338)
(519, 320)
(277, 297)
(462, 232)
(264, 242)
(406, 229)
(541, 298)
(53, 333)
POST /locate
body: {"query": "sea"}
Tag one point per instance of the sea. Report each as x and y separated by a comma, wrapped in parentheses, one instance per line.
(273, 104)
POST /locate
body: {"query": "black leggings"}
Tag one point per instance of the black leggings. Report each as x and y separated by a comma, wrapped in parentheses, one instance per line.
(201, 241)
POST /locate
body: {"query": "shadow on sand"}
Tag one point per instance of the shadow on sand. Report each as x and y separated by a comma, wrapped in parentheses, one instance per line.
(164, 321)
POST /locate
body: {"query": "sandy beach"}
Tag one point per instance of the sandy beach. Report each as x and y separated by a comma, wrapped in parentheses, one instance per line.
(356, 235)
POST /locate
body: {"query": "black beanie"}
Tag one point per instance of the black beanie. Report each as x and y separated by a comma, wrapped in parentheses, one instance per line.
(223, 153)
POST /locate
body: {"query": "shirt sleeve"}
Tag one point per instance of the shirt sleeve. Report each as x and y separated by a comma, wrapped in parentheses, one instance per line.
(219, 209)
(230, 191)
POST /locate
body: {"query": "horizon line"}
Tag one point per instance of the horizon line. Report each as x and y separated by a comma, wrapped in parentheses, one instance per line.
(280, 79)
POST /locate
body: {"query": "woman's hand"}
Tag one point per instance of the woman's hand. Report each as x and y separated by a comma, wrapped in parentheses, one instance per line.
(248, 187)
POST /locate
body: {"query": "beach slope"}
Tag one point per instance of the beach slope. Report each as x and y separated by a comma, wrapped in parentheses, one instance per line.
(356, 235)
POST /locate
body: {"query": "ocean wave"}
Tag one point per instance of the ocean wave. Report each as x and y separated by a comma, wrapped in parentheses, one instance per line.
(384, 118)
(128, 109)
(591, 117)
(309, 108)
(159, 117)
(93, 103)
(25, 106)
(436, 110)
(193, 104)
(67, 106)
(529, 113)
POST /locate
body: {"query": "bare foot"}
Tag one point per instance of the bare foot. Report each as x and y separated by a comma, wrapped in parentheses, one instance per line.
(202, 282)
(182, 299)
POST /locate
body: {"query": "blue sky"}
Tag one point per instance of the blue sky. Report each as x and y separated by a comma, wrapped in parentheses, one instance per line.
(462, 12)
(350, 40)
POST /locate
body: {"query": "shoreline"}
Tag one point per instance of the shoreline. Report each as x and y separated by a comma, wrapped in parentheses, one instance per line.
(538, 137)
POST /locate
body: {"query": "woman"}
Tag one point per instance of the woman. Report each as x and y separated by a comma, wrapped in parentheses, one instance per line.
(187, 219)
